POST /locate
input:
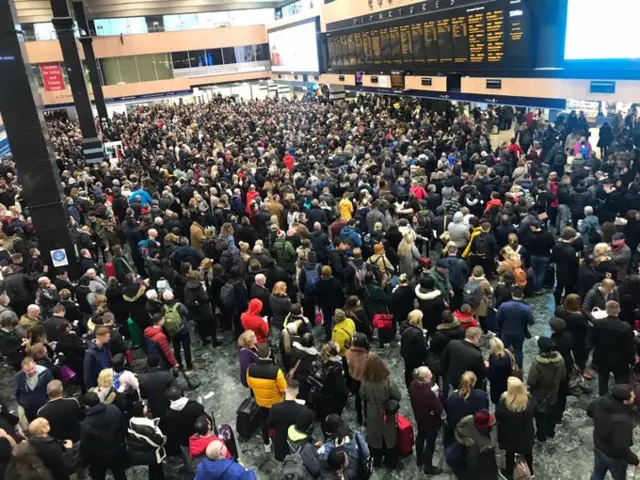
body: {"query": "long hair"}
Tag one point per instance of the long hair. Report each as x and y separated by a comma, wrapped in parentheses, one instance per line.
(516, 397)
(467, 382)
(497, 347)
(375, 370)
(405, 246)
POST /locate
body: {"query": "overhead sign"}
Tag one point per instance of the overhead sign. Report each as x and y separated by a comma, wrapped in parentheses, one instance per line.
(52, 77)
(59, 257)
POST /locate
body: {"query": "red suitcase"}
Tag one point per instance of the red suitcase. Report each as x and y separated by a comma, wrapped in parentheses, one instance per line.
(109, 270)
(405, 436)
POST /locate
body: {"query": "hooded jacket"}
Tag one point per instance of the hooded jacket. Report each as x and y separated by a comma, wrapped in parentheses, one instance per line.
(223, 469)
(458, 232)
(480, 460)
(102, 437)
(251, 320)
(157, 343)
(432, 305)
(613, 428)
(180, 419)
(545, 374)
(145, 441)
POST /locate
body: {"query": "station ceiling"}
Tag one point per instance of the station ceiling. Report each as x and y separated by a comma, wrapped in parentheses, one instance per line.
(34, 11)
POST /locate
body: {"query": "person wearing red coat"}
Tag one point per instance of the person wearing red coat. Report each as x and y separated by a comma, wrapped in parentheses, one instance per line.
(251, 320)
(157, 342)
(289, 161)
(251, 196)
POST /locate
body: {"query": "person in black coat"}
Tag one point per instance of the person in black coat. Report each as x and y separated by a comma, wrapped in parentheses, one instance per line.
(259, 291)
(431, 302)
(613, 347)
(402, 300)
(500, 366)
(197, 302)
(577, 324)
(566, 259)
(330, 297)
(11, 346)
(332, 398)
(515, 413)
(154, 383)
(145, 442)
(283, 415)
(413, 345)
(447, 331)
(56, 456)
(64, 414)
(180, 421)
(102, 439)
(564, 345)
(587, 276)
(460, 356)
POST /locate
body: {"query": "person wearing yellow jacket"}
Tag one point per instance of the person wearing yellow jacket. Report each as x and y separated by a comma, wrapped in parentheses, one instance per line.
(343, 330)
(268, 383)
(477, 230)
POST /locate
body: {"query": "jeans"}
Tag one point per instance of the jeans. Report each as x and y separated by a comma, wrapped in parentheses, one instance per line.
(515, 343)
(425, 446)
(603, 379)
(603, 463)
(539, 265)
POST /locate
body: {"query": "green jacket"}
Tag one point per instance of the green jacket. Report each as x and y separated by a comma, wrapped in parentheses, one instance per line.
(375, 300)
(283, 251)
(441, 283)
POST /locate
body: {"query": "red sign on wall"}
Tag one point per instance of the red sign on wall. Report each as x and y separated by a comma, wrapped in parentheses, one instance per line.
(52, 77)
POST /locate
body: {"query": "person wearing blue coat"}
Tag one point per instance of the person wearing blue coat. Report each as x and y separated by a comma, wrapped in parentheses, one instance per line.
(143, 194)
(217, 467)
(350, 235)
(514, 319)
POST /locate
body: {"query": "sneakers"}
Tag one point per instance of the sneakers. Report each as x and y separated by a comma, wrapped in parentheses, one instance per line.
(267, 448)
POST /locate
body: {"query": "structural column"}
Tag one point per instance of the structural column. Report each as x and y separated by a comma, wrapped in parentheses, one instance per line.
(337, 93)
(87, 46)
(21, 112)
(63, 23)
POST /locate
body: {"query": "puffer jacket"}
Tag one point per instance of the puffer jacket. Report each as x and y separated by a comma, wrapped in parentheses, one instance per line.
(158, 343)
(267, 382)
(342, 334)
(545, 374)
(251, 320)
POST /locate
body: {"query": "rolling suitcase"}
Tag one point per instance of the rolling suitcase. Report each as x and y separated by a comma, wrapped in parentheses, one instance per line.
(405, 436)
(225, 432)
(247, 418)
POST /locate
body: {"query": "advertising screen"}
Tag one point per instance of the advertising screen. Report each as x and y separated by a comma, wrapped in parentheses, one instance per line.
(584, 19)
(295, 49)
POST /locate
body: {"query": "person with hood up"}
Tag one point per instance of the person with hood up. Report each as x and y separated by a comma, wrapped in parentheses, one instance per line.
(474, 455)
(145, 441)
(252, 320)
(545, 375)
(218, 466)
(301, 442)
(459, 233)
(431, 303)
(97, 357)
(613, 422)
(102, 438)
(158, 343)
(350, 236)
(153, 384)
(427, 411)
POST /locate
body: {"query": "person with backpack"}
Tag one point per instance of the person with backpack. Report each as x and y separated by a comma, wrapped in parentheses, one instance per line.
(484, 250)
(380, 266)
(307, 284)
(513, 320)
(176, 324)
(354, 274)
(458, 271)
(340, 437)
(303, 461)
(157, 342)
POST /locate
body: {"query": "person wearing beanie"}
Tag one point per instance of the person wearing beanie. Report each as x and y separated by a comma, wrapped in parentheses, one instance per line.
(300, 440)
(546, 374)
(478, 460)
(613, 422)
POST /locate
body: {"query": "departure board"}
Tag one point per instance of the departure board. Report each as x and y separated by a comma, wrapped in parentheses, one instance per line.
(485, 34)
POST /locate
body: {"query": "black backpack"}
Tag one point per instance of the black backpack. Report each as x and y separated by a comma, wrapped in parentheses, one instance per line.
(481, 245)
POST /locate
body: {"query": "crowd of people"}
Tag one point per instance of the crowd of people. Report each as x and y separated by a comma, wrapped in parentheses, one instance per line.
(380, 220)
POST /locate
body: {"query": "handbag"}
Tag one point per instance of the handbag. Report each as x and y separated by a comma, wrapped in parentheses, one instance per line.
(382, 321)
(445, 236)
(292, 372)
(66, 374)
(391, 406)
(516, 371)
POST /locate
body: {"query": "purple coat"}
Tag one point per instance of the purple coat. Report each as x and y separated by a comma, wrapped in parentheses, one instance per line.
(247, 357)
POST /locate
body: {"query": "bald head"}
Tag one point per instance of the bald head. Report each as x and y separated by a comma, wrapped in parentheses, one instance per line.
(216, 450)
(39, 427)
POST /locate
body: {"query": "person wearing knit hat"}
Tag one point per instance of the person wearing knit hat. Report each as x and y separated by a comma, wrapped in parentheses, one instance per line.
(546, 374)
(483, 420)
(474, 434)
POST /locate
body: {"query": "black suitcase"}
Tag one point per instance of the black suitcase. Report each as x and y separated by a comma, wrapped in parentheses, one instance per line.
(528, 290)
(247, 418)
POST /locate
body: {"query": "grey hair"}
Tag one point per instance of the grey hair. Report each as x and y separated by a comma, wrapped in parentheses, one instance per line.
(588, 210)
